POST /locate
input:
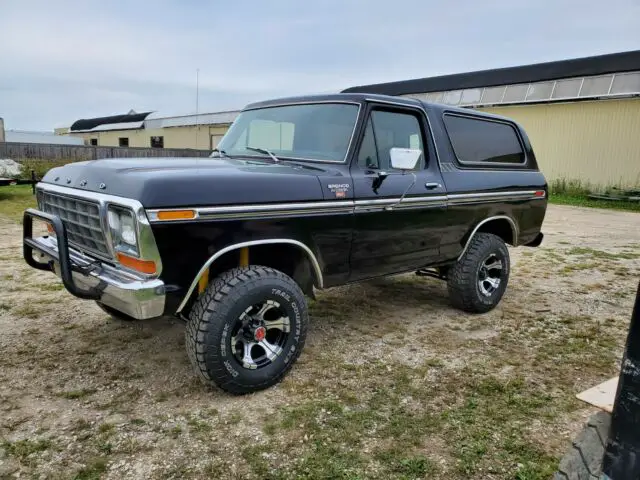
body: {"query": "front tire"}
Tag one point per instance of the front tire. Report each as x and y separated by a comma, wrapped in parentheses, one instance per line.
(584, 460)
(247, 329)
(478, 280)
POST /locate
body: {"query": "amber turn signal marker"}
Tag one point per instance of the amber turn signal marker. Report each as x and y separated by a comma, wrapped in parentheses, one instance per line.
(177, 215)
(144, 266)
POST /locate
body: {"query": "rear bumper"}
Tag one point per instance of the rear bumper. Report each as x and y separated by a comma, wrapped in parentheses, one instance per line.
(134, 295)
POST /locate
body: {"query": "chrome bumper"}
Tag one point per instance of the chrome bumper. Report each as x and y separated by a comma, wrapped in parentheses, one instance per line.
(136, 296)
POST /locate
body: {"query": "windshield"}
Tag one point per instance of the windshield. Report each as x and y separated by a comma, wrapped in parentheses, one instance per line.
(317, 131)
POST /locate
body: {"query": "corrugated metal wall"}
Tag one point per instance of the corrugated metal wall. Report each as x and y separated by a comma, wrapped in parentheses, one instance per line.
(597, 142)
(174, 137)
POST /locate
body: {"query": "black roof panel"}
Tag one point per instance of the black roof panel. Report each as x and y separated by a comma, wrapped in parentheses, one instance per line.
(577, 67)
(89, 123)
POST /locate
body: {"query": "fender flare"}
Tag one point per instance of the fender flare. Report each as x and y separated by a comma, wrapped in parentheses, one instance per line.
(514, 231)
(310, 255)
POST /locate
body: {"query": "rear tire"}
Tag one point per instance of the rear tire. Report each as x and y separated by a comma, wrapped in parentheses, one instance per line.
(247, 329)
(478, 280)
(584, 460)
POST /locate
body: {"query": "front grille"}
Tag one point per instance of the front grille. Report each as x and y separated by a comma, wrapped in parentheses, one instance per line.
(81, 219)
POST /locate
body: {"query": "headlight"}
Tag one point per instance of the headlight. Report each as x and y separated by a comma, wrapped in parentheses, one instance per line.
(122, 226)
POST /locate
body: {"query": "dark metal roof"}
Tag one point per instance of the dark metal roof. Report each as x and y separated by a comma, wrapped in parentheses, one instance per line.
(577, 67)
(89, 123)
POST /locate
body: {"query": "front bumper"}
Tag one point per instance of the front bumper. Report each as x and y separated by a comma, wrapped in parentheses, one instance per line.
(135, 295)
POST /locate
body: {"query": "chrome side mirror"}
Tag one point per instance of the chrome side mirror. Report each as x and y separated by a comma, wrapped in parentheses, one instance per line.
(404, 158)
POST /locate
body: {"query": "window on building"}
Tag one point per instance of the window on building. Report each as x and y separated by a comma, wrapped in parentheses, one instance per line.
(567, 88)
(595, 86)
(478, 141)
(493, 94)
(93, 142)
(471, 96)
(386, 130)
(123, 141)
(515, 93)
(626, 83)
(435, 97)
(540, 91)
(452, 98)
(157, 142)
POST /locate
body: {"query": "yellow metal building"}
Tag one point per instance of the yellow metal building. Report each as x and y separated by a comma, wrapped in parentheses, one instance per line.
(595, 142)
(148, 130)
(582, 115)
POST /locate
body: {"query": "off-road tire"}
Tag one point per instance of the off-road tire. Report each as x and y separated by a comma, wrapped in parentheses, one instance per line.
(462, 277)
(208, 330)
(584, 460)
(115, 314)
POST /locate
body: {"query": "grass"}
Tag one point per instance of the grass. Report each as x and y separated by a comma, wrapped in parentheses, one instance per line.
(575, 193)
(593, 253)
(433, 420)
(23, 448)
(77, 394)
(584, 201)
(93, 470)
(28, 311)
(14, 200)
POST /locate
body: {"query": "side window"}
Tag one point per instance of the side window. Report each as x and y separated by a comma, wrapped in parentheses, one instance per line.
(368, 155)
(386, 130)
(481, 141)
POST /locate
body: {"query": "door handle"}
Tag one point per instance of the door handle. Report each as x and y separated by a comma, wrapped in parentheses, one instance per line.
(432, 185)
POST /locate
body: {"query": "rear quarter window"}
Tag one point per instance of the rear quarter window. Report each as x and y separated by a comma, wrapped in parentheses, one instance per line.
(484, 143)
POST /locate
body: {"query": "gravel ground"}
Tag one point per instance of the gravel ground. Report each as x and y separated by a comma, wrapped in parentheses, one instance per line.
(393, 382)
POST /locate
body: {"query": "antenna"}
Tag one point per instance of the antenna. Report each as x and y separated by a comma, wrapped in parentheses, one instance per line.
(197, 99)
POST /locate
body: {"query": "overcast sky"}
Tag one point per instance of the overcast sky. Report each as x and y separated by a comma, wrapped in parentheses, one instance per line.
(63, 60)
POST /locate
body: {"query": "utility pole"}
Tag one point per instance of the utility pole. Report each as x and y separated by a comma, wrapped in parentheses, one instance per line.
(2, 137)
(197, 100)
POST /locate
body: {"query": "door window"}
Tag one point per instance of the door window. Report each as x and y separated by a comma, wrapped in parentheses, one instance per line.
(386, 130)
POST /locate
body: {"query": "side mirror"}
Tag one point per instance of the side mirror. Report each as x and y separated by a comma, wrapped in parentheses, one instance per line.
(404, 158)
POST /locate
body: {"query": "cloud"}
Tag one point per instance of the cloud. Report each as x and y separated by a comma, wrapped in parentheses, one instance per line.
(65, 60)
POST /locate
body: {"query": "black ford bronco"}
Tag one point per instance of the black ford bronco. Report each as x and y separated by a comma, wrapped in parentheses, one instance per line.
(301, 194)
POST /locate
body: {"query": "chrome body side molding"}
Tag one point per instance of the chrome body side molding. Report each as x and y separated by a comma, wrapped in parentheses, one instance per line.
(342, 206)
(514, 230)
(310, 255)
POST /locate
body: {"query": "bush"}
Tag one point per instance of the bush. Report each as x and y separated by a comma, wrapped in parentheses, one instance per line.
(40, 167)
(562, 186)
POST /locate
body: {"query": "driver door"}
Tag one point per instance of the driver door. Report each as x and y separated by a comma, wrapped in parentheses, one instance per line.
(391, 237)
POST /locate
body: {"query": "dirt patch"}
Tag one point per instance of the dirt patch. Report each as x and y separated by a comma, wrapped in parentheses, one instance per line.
(393, 382)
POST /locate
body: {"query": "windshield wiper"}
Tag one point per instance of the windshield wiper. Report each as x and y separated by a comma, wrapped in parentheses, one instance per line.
(265, 151)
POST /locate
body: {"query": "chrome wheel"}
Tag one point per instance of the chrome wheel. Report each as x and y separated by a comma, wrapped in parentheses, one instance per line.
(490, 275)
(259, 335)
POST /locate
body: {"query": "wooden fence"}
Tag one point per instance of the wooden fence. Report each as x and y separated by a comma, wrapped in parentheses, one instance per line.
(49, 151)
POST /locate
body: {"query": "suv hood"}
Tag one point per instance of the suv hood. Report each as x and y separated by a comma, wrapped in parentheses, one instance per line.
(182, 182)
